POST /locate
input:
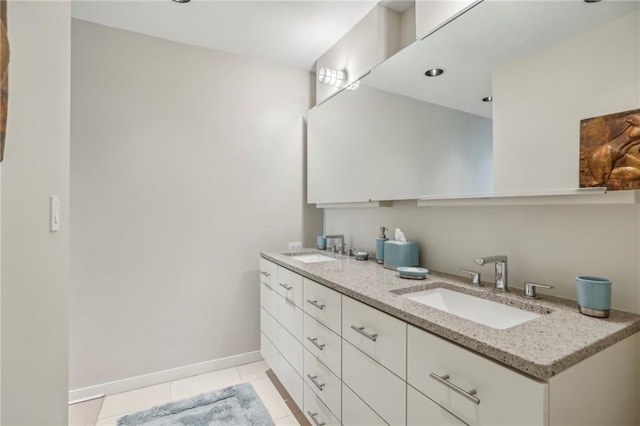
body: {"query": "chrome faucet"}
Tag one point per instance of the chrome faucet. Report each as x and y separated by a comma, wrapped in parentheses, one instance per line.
(502, 283)
(339, 248)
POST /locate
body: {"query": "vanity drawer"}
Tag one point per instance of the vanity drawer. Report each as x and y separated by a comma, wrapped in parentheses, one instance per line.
(291, 349)
(268, 272)
(423, 411)
(269, 353)
(326, 385)
(290, 285)
(269, 299)
(290, 317)
(503, 396)
(379, 388)
(291, 381)
(381, 336)
(323, 304)
(356, 412)
(316, 411)
(324, 344)
(269, 326)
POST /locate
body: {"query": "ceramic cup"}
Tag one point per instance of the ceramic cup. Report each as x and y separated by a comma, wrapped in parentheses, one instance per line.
(594, 296)
(321, 242)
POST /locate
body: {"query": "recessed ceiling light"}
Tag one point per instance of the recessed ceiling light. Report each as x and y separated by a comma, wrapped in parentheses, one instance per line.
(181, 1)
(591, 1)
(487, 99)
(433, 72)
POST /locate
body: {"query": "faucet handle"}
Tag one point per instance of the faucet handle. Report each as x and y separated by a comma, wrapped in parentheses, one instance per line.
(530, 289)
(475, 277)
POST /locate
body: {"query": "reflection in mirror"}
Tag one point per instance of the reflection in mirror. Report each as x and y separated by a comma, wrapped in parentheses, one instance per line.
(404, 135)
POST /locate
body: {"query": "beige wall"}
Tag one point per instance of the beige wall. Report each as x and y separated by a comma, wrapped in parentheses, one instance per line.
(35, 261)
(546, 244)
(186, 163)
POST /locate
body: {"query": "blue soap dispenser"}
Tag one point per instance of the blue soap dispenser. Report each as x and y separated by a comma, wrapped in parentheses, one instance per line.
(382, 238)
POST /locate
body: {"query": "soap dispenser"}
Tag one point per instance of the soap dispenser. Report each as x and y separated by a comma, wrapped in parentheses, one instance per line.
(380, 245)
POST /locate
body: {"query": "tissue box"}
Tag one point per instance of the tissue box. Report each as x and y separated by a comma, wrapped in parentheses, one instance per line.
(400, 253)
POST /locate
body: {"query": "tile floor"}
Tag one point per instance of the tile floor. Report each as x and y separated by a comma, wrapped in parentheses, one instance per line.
(107, 411)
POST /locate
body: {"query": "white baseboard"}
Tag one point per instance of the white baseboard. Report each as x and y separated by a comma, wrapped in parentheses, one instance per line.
(164, 376)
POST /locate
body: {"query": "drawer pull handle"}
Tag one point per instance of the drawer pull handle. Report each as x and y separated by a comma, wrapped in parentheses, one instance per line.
(315, 303)
(314, 340)
(266, 274)
(315, 382)
(313, 417)
(285, 286)
(289, 301)
(360, 330)
(444, 380)
(268, 286)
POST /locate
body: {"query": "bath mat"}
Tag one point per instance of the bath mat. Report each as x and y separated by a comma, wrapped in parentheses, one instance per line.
(235, 405)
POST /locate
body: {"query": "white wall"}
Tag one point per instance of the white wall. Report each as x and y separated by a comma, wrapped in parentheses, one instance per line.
(186, 163)
(35, 261)
(546, 244)
(540, 100)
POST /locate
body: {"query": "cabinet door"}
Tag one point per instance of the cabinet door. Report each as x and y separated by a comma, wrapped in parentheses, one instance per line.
(423, 411)
(432, 14)
(291, 349)
(290, 317)
(291, 381)
(495, 395)
(268, 272)
(316, 411)
(375, 333)
(290, 286)
(324, 344)
(269, 326)
(382, 390)
(326, 385)
(269, 299)
(323, 304)
(269, 353)
(356, 412)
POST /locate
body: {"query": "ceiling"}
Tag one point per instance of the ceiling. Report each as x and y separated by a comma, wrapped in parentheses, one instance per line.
(292, 33)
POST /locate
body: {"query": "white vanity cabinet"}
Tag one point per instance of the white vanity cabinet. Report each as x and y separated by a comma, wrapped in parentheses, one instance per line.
(281, 326)
(345, 362)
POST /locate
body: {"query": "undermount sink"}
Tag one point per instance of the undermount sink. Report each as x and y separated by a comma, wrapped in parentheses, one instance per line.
(486, 312)
(312, 258)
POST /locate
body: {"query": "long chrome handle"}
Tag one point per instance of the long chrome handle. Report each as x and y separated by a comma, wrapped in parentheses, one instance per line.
(314, 340)
(457, 389)
(285, 286)
(316, 304)
(530, 289)
(315, 382)
(360, 330)
(475, 277)
(313, 417)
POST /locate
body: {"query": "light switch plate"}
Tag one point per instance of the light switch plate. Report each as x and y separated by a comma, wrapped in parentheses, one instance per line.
(54, 213)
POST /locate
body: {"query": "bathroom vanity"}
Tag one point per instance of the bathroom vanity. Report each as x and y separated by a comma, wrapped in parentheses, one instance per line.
(351, 348)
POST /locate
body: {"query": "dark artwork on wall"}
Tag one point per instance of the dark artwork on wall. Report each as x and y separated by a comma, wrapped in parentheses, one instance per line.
(610, 151)
(4, 75)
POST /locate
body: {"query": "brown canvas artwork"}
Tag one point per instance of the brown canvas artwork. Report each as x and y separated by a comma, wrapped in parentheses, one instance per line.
(610, 151)
(4, 75)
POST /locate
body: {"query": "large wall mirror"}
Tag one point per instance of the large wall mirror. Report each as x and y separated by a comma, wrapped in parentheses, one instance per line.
(404, 135)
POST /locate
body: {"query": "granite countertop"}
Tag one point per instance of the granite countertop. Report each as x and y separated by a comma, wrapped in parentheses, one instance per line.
(541, 348)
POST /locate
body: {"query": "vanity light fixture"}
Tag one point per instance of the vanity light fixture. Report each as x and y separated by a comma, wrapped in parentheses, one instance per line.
(487, 99)
(434, 72)
(331, 77)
